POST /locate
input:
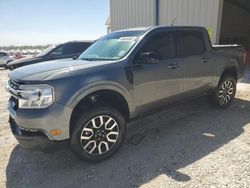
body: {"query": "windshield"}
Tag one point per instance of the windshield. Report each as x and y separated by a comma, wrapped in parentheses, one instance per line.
(47, 50)
(113, 46)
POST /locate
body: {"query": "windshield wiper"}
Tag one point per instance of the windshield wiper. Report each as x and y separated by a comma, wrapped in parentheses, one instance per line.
(87, 59)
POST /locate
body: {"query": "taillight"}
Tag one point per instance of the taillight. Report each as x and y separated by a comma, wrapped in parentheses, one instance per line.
(245, 57)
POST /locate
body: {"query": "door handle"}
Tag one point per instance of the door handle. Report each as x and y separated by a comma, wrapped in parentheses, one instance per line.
(173, 66)
(204, 60)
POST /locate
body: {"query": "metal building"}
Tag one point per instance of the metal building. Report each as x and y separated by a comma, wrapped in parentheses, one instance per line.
(218, 16)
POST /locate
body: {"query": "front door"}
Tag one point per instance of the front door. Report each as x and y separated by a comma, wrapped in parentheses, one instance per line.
(157, 83)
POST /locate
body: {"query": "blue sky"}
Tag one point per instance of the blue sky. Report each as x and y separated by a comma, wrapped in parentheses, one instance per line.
(31, 22)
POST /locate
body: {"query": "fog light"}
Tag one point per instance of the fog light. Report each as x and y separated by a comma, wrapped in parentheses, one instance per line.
(56, 132)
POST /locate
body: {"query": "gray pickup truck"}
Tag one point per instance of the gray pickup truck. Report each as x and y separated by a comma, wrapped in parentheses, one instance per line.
(86, 102)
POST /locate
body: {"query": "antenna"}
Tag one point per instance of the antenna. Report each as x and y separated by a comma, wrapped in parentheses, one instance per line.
(173, 22)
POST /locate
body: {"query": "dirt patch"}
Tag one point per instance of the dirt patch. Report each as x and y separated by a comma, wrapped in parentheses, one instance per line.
(189, 145)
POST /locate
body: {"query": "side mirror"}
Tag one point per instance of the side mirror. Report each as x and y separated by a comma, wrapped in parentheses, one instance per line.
(75, 57)
(149, 58)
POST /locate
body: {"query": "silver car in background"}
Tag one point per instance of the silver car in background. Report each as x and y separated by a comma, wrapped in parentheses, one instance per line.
(5, 58)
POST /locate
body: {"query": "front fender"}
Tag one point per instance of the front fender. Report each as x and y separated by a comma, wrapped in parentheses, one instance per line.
(103, 85)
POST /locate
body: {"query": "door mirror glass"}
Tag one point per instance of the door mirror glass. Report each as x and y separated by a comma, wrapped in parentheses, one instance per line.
(148, 58)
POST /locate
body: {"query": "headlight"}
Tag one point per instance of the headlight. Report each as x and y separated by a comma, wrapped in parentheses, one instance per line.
(35, 96)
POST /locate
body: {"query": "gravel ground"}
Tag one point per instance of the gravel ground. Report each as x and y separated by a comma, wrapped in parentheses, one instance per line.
(189, 145)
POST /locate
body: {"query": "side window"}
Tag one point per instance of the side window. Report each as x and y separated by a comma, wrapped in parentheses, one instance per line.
(58, 51)
(190, 43)
(81, 47)
(64, 49)
(69, 49)
(163, 44)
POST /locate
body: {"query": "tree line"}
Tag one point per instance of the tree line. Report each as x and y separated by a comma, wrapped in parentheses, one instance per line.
(12, 47)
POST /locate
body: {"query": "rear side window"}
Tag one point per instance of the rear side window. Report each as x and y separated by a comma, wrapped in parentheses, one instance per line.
(69, 49)
(58, 51)
(190, 43)
(64, 49)
(163, 44)
(81, 47)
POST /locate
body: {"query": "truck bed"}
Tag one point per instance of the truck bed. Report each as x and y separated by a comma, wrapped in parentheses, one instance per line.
(232, 46)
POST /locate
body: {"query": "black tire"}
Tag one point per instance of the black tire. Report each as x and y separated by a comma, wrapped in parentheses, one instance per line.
(225, 92)
(81, 129)
(11, 67)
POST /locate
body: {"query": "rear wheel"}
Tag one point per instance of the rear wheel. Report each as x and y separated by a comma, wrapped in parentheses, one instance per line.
(225, 92)
(98, 133)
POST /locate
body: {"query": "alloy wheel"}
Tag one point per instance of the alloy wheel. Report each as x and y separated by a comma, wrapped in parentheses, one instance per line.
(99, 135)
(226, 92)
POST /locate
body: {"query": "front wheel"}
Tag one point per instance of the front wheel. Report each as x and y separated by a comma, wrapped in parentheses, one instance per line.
(225, 92)
(98, 133)
(11, 67)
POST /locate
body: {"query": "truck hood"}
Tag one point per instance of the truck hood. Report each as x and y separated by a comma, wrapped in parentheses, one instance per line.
(24, 60)
(51, 69)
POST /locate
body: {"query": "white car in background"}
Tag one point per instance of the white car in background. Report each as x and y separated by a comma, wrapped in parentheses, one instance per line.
(5, 58)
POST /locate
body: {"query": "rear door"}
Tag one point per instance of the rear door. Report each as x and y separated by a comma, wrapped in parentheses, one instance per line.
(197, 65)
(156, 84)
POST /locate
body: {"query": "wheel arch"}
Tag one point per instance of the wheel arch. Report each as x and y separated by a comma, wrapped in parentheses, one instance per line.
(229, 71)
(8, 61)
(97, 96)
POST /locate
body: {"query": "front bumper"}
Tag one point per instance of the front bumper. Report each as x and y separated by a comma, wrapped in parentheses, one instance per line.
(56, 116)
(35, 140)
(33, 128)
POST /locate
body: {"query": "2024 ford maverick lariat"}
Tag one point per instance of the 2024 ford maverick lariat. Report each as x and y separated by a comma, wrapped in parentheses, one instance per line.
(87, 101)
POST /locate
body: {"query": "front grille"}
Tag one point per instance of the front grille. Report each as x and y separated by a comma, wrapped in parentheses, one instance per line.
(12, 88)
(14, 85)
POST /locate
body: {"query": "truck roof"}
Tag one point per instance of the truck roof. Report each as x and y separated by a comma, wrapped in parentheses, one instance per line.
(79, 41)
(163, 27)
